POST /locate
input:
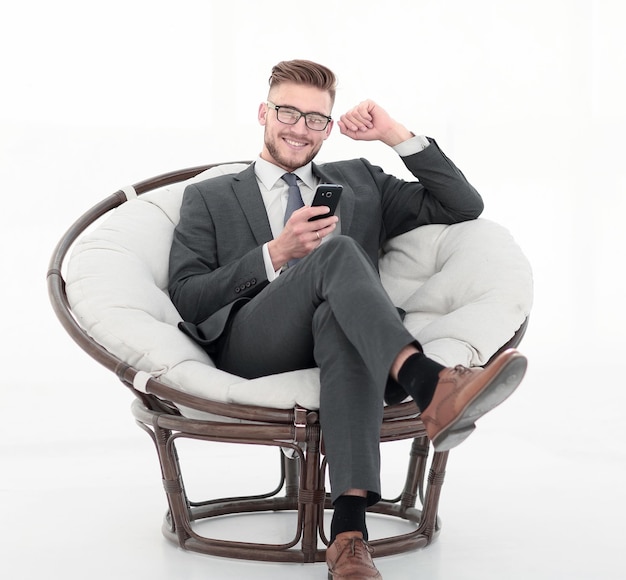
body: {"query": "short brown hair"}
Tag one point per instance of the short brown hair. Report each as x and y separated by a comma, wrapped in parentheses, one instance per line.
(304, 72)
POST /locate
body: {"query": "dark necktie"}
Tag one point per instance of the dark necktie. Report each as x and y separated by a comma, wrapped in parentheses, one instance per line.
(294, 202)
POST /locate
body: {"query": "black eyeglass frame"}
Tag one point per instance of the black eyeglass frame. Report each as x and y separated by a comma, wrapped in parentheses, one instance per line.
(300, 115)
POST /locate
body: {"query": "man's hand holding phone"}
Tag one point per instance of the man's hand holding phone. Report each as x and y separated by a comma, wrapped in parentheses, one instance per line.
(307, 227)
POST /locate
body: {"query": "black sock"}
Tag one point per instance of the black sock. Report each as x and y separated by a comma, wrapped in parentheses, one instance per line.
(349, 516)
(419, 376)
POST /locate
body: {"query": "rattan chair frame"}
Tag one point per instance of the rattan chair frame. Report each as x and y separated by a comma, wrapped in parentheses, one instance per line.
(301, 486)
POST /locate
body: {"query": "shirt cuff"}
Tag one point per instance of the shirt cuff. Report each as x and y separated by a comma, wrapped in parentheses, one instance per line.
(410, 146)
(269, 267)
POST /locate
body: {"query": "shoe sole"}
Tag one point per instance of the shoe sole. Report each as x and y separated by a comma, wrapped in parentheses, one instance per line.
(495, 392)
(331, 576)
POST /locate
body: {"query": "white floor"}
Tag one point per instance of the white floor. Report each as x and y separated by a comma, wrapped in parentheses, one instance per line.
(537, 492)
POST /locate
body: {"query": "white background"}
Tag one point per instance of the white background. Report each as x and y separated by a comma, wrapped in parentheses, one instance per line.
(526, 97)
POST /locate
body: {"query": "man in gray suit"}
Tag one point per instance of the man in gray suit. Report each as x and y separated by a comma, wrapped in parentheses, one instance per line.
(266, 290)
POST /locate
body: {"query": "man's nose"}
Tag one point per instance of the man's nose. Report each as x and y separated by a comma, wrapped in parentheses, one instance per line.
(301, 124)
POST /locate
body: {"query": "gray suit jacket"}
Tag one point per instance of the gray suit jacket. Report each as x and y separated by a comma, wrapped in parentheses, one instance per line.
(216, 260)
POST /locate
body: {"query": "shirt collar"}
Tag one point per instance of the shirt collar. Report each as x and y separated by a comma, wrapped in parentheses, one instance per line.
(269, 174)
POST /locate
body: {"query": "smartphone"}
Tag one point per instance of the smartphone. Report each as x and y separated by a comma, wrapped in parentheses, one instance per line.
(327, 194)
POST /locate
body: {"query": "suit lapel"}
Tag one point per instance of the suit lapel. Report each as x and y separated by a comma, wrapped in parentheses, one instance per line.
(247, 192)
(348, 197)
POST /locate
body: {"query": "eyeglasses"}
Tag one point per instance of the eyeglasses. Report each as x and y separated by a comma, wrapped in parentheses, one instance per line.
(290, 116)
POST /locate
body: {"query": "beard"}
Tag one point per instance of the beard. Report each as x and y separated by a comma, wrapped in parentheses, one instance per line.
(288, 162)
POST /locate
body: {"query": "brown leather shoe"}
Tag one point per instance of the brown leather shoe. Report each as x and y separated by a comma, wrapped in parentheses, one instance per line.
(349, 557)
(464, 395)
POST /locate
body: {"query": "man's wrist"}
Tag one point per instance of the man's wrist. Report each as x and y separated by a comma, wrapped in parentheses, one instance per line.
(396, 135)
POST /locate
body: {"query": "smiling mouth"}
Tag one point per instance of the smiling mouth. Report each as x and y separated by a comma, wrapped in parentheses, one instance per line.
(295, 144)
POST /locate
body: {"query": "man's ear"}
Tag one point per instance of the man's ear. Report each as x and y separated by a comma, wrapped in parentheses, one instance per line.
(262, 113)
(328, 130)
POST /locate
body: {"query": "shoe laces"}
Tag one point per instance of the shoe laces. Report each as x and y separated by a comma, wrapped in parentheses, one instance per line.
(357, 544)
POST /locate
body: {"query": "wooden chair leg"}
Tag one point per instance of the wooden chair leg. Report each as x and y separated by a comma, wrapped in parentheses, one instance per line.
(311, 495)
(436, 477)
(177, 520)
(291, 470)
(414, 483)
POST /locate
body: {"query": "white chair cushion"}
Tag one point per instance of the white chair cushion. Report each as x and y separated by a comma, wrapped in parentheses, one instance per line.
(466, 289)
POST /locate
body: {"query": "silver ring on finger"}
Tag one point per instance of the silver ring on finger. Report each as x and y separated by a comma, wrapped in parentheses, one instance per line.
(318, 235)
